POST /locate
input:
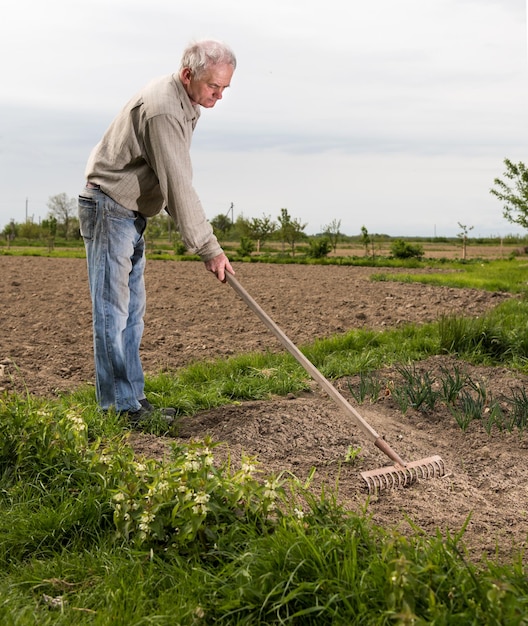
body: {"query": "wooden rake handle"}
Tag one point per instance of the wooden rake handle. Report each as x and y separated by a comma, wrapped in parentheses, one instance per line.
(314, 372)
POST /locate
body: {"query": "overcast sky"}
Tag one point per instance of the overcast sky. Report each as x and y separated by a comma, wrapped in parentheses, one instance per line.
(396, 116)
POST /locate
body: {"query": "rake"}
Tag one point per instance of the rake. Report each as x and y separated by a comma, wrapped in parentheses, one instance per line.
(400, 474)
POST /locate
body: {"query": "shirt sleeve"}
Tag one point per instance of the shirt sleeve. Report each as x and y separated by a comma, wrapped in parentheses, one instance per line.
(167, 145)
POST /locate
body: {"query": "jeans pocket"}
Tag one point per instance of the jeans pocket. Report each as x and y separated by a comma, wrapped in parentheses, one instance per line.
(87, 213)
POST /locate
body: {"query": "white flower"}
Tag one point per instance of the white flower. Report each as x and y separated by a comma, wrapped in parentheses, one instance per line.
(199, 509)
(160, 488)
(299, 513)
(144, 521)
(187, 493)
(147, 517)
(269, 491)
(77, 423)
(248, 468)
(191, 466)
(201, 498)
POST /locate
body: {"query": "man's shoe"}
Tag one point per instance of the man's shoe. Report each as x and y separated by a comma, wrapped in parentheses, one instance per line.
(146, 410)
(137, 416)
(167, 411)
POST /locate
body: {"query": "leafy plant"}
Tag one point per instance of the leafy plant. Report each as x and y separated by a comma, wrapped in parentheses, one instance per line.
(495, 417)
(319, 248)
(418, 388)
(469, 407)
(402, 399)
(187, 502)
(370, 386)
(401, 249)
(452, 383)
(519, 405)
(352, 454)
(246, 248)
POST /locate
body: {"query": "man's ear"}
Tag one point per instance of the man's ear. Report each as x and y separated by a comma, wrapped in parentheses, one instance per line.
(185, 75)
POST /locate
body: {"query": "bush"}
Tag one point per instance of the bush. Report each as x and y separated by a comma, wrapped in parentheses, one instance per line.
(179, 248)
(247, 246)
(403, 250)
(319, 248)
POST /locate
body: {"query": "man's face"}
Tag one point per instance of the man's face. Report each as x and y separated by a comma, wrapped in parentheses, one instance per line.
(209, 87)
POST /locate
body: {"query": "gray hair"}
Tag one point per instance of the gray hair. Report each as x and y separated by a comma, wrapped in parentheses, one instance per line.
(200, 55)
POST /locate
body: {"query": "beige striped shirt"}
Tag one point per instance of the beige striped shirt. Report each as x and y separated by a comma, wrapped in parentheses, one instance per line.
(143, 161)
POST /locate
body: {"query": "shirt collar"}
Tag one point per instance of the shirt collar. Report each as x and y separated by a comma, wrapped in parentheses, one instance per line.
(191, 111)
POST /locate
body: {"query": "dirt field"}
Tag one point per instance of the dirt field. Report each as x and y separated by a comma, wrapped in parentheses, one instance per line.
(45, 347)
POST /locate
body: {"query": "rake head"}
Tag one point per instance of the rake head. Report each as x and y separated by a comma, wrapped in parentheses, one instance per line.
(403, 475)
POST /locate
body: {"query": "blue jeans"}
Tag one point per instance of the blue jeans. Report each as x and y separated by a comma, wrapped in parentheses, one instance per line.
(115, 252)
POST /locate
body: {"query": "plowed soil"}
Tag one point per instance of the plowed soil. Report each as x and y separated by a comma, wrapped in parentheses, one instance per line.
(46, 349)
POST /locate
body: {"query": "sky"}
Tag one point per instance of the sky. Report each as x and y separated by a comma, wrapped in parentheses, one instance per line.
(395, 116)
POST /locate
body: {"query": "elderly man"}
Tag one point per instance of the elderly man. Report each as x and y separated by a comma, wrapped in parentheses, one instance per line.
(140, 167)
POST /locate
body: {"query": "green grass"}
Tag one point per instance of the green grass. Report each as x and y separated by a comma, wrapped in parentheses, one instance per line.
(497, 338)
(503, 276)
(69, 556)
(59, 253)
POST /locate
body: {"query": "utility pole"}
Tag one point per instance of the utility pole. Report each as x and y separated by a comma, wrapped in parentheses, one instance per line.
(231, 211)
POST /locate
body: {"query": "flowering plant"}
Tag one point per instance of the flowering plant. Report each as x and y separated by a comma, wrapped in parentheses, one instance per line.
(185, 501)
(187, 497)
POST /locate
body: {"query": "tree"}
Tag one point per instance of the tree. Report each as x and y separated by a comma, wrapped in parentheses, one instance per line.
(49, 226)
(155, 228)
(261, 229)
(10, 231)
(332, 232)
(464, 235)
(514, 195)
(365, 239)
(63, 208)
(291, 230)
(221, 224)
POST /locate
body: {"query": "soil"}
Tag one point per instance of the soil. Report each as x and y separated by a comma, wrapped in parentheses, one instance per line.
(46, 350)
